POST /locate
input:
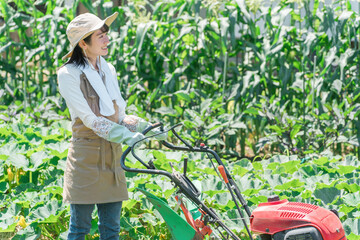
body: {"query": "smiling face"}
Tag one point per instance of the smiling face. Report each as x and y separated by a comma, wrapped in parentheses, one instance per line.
(97, 46)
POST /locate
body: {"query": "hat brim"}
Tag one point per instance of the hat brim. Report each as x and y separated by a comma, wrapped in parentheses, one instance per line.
(108, 21)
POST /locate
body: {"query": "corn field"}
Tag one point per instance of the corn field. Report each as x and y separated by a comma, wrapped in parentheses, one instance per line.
(246, 77)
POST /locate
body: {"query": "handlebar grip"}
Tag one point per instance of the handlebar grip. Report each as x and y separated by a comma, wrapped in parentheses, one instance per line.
(223, 173)
(148, 129)
(130, 149)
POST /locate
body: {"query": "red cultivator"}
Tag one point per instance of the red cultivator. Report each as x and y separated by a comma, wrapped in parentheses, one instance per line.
(276, 219)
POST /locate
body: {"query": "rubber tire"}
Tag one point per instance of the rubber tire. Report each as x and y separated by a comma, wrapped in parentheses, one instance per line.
(265, 237)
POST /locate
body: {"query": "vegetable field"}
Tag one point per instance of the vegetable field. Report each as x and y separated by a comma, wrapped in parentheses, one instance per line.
(273, 87)
(33, 159)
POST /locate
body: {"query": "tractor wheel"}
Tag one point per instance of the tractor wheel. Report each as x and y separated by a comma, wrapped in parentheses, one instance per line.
(308, 233)
(265, 237)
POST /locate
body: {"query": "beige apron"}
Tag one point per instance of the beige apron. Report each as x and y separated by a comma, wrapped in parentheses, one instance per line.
(93, 173)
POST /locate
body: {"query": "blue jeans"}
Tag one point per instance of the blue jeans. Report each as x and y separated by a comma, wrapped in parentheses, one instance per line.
(109, 220)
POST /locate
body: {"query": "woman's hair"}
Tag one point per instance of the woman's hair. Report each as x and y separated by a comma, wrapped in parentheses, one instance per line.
(77, 56)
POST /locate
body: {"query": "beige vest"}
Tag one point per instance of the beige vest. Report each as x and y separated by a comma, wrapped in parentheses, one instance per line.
(93, 173)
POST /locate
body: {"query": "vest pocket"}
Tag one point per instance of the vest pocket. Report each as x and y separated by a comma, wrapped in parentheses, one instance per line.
(82, 165)
(119, 171)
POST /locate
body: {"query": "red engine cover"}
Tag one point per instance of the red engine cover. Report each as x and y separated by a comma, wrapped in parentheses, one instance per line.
(273, 217)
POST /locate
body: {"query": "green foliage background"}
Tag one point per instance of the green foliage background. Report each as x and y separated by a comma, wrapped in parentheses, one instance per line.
(249, 78)
(36, 155)
(232, 71)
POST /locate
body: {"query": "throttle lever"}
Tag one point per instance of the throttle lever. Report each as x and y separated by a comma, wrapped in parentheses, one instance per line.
(185, 165)
(151, 164)
(172, 167)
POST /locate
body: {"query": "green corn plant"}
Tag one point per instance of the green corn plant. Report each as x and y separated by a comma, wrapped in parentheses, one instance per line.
(172, 56)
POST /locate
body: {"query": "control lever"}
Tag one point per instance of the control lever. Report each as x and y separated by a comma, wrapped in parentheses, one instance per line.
(151, 164)
(172, 167)
(185, 165)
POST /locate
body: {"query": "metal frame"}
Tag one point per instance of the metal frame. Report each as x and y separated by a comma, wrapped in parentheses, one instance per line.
(184, 184)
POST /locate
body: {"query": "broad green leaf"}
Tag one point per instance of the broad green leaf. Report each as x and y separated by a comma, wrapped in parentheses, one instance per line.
(166, 111)
(151, 186)
(352, 236)
(18, 161)
(352, 228)
(352, 199)
(183, 95)
(327, 195)
(351, 188)
(159, 156)
(307, 194)
(291, 166)
(49, 212)
(37, 159)
(346, 169)
(12, 148)
(58, 149)
(295, 183)
(240, 171)
(295, 130)
(55, 190)
(129, 204)
(31, 232)
(277, 129)
(257, 166)
(8, 216)
(212, 193)
(4, 186)
(250, 192)
(273, 165)
(321, 161)
(258, 199)
(346, 209)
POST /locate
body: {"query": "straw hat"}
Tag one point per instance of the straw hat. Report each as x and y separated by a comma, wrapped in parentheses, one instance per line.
(84, 25)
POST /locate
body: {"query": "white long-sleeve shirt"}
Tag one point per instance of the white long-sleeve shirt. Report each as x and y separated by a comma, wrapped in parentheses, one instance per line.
(69, 87)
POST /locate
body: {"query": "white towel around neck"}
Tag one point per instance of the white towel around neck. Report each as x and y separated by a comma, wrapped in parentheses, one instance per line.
(107, 92)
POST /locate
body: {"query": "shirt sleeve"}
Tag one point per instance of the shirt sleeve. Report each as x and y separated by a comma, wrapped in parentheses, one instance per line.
(69, 87)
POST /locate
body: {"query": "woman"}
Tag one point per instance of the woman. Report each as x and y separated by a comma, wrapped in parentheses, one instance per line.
(93, 174)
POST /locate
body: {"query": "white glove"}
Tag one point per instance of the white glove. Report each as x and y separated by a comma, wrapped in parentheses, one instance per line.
(142, 125)
(136, 124)
(121, 134)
